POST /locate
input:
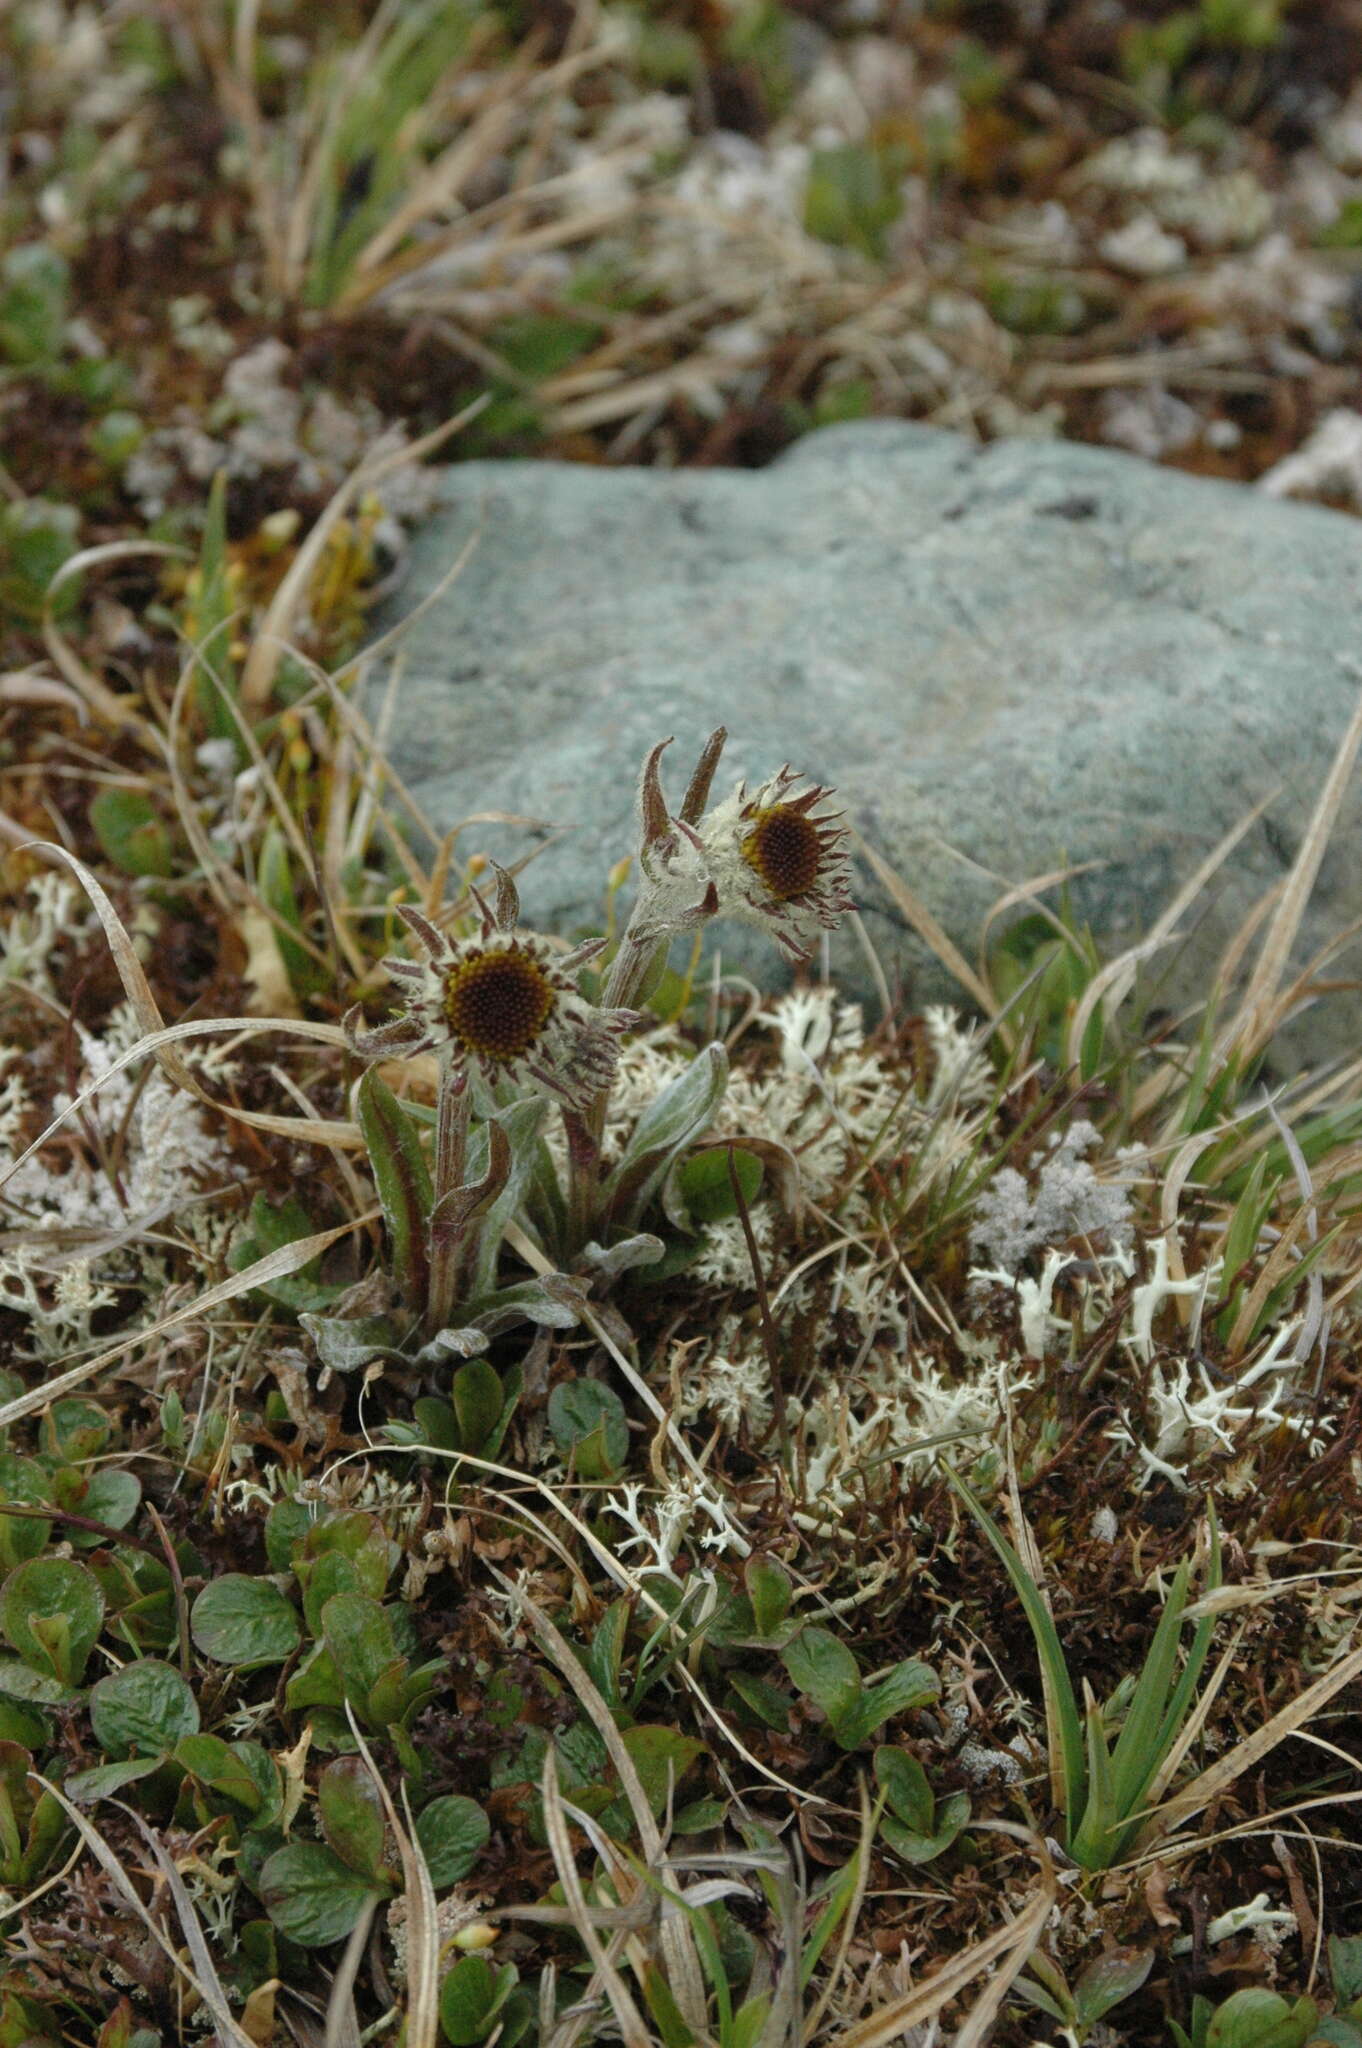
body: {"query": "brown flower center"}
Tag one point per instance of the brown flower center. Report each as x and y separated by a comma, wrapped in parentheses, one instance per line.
(786, 851)
(497, 1003)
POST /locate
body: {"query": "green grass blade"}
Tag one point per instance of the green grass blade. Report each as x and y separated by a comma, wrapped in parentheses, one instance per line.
(1092, 1840)
(1184, 1692)
(1137, 1755)
(1059, 1686)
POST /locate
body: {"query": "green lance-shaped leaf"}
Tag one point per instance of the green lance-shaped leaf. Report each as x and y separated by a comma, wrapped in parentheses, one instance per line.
(1065, 1723)
(274, 878)
(910, 1684)
(212, 636)
(460, 1206)
(403, 1182)
(683, 1112)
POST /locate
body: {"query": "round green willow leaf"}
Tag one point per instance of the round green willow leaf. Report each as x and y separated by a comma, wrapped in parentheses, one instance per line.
(146, 1707)
(244, 1621)
(52, 1611)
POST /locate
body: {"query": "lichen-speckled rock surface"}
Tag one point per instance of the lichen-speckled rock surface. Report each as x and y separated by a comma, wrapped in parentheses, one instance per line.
(1005, 658)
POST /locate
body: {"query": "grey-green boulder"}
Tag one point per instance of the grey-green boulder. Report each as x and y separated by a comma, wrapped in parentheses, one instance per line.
(1006, 658)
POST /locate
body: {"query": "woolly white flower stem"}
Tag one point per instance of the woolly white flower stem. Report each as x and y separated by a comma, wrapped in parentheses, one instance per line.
(451, 1151)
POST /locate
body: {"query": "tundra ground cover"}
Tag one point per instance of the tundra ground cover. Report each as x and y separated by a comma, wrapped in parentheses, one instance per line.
(759, 1522)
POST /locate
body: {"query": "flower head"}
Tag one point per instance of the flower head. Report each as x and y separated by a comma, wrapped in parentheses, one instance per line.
(778, 859)
(503, 1005)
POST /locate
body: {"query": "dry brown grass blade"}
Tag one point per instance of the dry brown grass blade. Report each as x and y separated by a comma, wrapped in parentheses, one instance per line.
(207, 1980)
(628, 2019)
(846, 1934)
(675, 1939)
(1259, 1013)
(1223, 1772)
(1033, 892)
(105, 704)
(288, 1259)
(342, 2020)
(928, 930)
(423, 1933)
(306, 1130)
(272, 636)
(135, 984)
(1113, 984)
(1017, 1936)
(534, 1258)
(977, 2024)
(1279, 1260)
(159, 1038)
(441, 182)
(207, 1988)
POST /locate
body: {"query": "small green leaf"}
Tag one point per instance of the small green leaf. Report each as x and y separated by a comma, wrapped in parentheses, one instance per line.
(903, 1781)
(854, 195)
(606, 1653)
(349, 1343)
(673, 1121)
(286, 1524)
(21, 1682)
(770, 1591)
(1258, 2018)
(589, 1426)
(478, 1400)
(211, 634)
(359, 1635)
(1345, 1967)
(403, 1182)
(144, 1708)
(316, 1683)
(131, 831)
(822, 1666)
(705, 1184)
(1109, 1979)
(453, 1832)
(312, 1896)
(749, 2022)
(274, 879)
(470, 1998)
(244, 1622)
(35, 283)
(661, 1756)
(112, 1495)
(909, 1685)
(661, 2003)
(767, 1702)
(350, 1811)
(52, 1611)
(23, 1483)
(952, 1815)
(268, 1229)
(73, 1430)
